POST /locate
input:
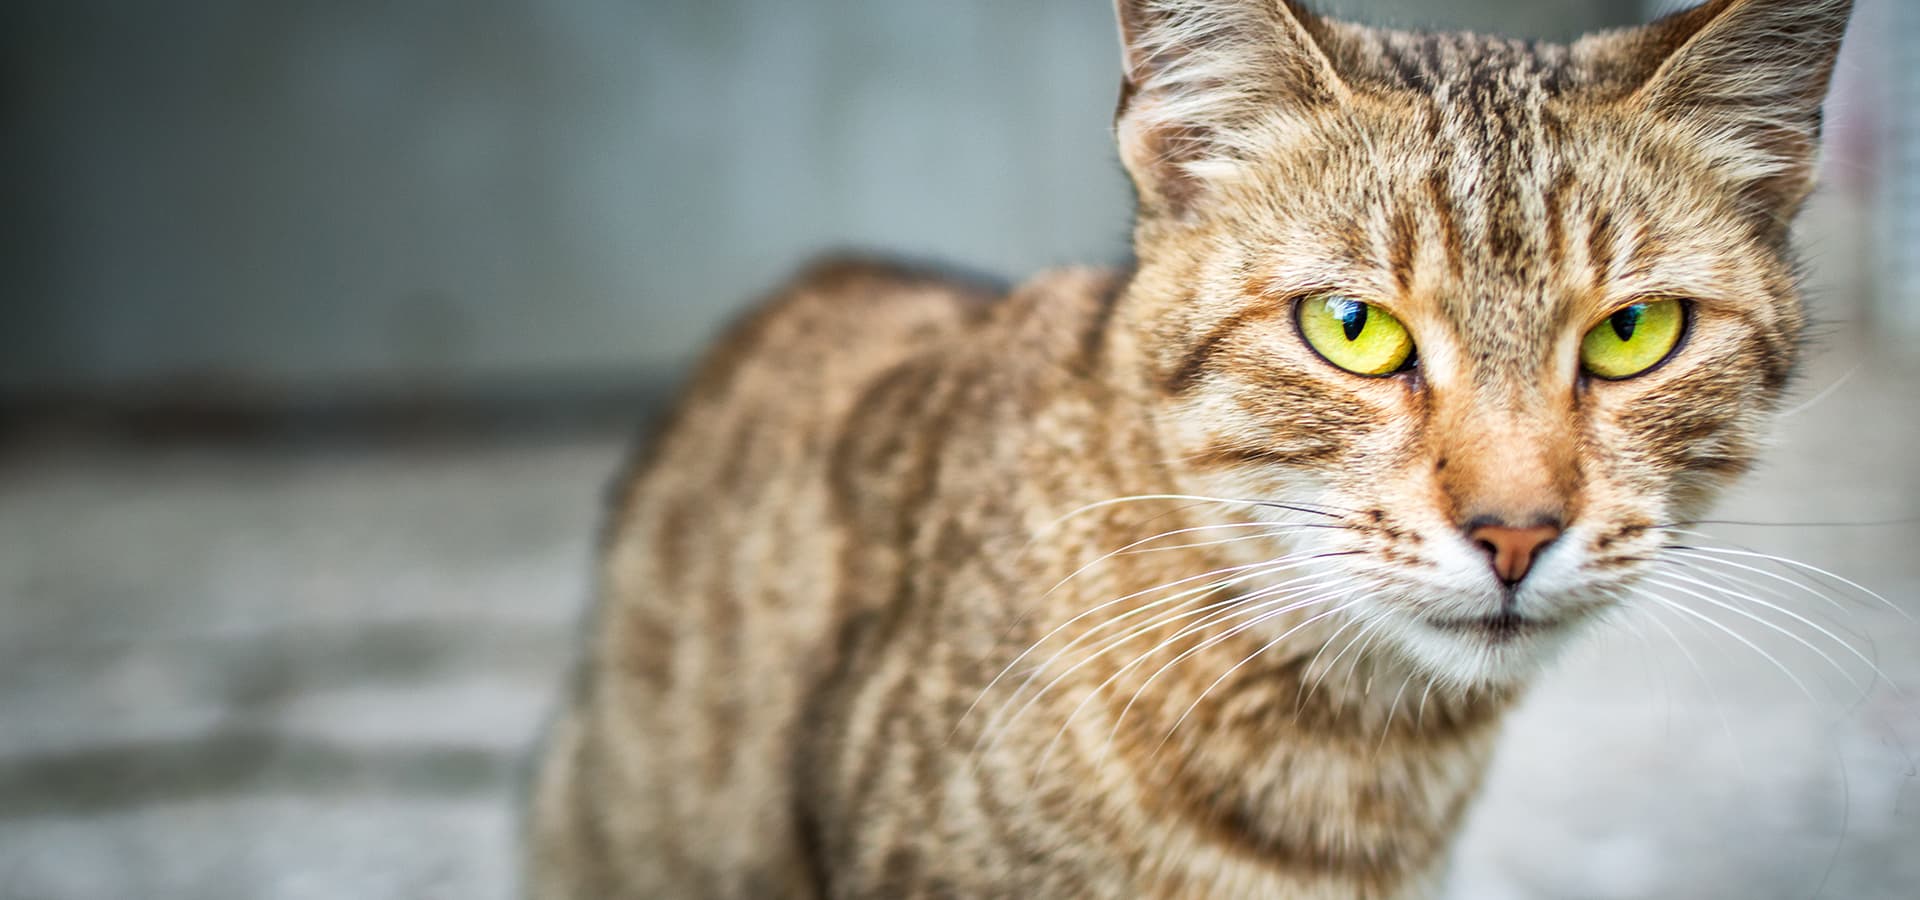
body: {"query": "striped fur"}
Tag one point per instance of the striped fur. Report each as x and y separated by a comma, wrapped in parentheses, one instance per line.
(864, 631)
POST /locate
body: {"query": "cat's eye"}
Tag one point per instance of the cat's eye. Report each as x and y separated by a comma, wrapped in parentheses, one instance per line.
(1634, 339)
(1354, 334)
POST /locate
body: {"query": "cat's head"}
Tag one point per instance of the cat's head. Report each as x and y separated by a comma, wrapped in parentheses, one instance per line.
(1508, 310)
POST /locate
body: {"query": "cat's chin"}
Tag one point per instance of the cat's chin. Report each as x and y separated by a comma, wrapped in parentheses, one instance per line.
(1500, 650)
(1500, 628)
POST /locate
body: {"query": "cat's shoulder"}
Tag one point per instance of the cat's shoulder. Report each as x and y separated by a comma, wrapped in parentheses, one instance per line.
(849, 307)
(875, 292)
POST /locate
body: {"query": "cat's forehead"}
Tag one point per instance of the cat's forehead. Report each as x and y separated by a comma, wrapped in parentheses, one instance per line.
(1486, 182)
(1491, 78)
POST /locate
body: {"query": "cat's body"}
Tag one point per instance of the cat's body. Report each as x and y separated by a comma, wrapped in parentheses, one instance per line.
(805, 716)
(864, 629)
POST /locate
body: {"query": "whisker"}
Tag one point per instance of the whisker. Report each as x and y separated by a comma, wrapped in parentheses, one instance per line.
(1300, 694)
(1291, 590)
(1713, 693)
(1250, 657)
(1654, 668)
(1248, 571)
(1824, 393)
(1683, 608)
(1256, 618)
(1285, 531)
(1386, 730)
(1672, 581)
(1794, 563)
(1748, 523)
(1150, 539)
(1268, 616)
(1229, 501)
(1245, 572)
(1166, 618)
(1355, 664)
(1701, 561)
(1368, 627)
(1796, 617)
(1163, 619)
(1709, 567)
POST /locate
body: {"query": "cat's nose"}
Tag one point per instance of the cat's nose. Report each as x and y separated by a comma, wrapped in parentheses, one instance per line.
(1512, 550)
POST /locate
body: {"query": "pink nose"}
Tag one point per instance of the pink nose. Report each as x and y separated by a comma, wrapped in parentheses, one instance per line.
(1512, 550)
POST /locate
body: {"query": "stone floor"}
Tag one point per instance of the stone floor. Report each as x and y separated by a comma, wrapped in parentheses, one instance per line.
(231, 672)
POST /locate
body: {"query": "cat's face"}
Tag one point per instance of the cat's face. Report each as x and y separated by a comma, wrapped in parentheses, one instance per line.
(1508, 314)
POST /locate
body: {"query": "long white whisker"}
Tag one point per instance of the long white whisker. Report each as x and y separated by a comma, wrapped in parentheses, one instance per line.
(1291, 585)
(1674, 582)
(1300, 693)
(1683, 608)
(1334, 663)
(1191, 651)
(1386, 730)
(1227, 501)
(1284, 531)
(1248, 571)
(1348, 604)
(1713, 693)
(1150, 539)
(1354, 668)
(1654, 664)
(1370, 634)
(1794, 563)
(1848, 646)
(998, 730)
(1825, 392)
(1255, 617)
(1698, 557)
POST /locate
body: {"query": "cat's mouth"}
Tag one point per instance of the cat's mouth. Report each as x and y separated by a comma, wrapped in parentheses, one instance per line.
(1497, 628)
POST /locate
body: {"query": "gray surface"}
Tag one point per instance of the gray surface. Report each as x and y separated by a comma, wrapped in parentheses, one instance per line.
(350, 195)
(270, 674)
(231, 674)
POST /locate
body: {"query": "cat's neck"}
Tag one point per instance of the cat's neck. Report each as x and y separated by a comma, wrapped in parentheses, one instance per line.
(1312, 753)
(1297, 742)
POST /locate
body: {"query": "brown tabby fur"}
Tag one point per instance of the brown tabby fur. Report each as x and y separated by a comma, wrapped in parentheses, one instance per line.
(852, 524)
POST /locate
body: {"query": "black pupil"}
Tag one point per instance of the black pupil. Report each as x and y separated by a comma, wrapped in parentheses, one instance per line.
(1626, 320)
(1352, 315)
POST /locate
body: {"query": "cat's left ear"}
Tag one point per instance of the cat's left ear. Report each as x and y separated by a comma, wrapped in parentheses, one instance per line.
(1200, 75)
(1749, 77)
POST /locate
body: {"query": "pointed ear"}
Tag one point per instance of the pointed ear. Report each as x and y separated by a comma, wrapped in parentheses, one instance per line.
(1198, 73)
(1750, 76)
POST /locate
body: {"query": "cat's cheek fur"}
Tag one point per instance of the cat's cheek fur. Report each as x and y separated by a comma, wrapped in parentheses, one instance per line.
(1686, 430)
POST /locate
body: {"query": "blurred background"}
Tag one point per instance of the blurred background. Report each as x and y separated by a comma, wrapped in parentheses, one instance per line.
(322, 326)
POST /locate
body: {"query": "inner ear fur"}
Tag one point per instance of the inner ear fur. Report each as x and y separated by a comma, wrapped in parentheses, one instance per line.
(1197, 73)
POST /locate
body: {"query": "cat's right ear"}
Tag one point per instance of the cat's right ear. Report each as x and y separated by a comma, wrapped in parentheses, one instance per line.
(1200, 76)
(1745, 79)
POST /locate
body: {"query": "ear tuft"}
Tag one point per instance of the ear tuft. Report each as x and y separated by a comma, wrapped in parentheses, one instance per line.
(1198, 73)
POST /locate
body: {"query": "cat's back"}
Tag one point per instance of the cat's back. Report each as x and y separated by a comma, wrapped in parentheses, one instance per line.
(777, 386)
(736, 492)
(719, 556)
(805, 353)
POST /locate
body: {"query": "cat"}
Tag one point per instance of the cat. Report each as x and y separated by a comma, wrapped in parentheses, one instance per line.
(1214, 576)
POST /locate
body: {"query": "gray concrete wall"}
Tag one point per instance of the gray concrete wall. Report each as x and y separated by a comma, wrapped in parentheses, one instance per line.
(432, 194)
(1898, 229)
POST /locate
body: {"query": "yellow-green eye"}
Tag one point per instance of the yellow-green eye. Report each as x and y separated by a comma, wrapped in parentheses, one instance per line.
(1354, 334)
(1634, 339)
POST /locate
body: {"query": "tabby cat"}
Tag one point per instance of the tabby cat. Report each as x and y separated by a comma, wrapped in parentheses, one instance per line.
(1216, 576)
